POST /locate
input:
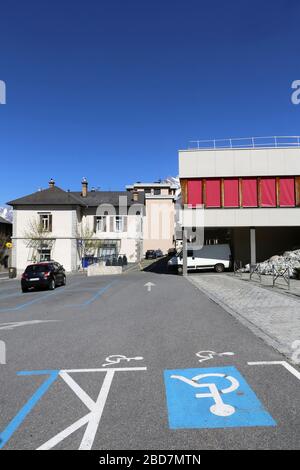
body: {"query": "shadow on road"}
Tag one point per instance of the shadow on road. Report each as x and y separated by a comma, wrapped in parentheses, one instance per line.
(159, 266)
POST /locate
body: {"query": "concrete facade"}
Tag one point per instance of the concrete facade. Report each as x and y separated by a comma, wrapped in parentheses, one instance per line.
(254, 233)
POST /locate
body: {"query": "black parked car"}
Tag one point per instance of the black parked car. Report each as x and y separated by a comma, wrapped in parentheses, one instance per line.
(47, 275)
(150, 254)
(159, 253)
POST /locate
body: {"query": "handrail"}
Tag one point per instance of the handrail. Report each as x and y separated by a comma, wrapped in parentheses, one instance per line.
(290, 141)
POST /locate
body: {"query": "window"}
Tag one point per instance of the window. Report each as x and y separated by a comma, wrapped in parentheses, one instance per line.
(213, 192)
(231, 192)
(194, 189)
(287, 192)
(46, 222)
(268, 192)
(45, 254)
(249, 192)
(101, 223)
(119, 223)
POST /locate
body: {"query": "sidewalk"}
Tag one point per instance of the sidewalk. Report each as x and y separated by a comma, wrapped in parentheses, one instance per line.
(271, 314)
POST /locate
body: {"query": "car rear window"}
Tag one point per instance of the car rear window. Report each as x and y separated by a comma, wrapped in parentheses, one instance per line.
(38, 268)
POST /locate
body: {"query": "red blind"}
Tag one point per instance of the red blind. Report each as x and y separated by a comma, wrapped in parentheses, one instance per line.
(213, 192)
(249, 192)
(268, 192)
(194, 188)
(287, 192)
(231, 192)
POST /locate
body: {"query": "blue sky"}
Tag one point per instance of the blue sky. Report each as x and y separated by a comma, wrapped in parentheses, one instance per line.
(112, 89)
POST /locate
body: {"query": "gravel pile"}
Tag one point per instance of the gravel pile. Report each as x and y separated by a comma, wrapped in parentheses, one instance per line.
(289, 259)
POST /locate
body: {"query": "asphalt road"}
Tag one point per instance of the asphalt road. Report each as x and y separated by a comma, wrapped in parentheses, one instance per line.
(75, 328)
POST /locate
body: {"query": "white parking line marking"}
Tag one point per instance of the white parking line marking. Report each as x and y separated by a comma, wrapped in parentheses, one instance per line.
(12, 325)
(92, 419)
(285, 364)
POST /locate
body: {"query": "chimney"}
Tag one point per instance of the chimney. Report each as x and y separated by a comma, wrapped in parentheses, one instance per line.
(51, 183)
(84, 187)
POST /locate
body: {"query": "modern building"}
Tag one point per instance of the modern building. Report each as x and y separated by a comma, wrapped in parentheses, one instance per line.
(159, 215)
(68, 226)
(249, 191)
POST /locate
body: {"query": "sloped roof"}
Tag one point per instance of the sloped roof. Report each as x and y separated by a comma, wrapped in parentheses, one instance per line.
(4, 221)
(57, 196)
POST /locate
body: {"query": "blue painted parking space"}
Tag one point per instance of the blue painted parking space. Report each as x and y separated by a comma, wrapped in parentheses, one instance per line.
(217, 397)
(36, 297)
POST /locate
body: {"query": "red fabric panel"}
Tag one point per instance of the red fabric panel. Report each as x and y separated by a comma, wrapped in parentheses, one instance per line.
(287, 192)
(268, 192)
(213, 192)
(231, 192)
(194, 192)
(249, 192)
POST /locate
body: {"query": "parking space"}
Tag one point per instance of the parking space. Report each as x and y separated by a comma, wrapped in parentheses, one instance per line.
(113, 365)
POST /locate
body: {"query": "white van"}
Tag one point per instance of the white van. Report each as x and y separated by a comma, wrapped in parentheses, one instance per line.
(217, 257)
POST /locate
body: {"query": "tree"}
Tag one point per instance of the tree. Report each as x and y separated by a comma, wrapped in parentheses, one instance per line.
(37, 238)
(4, 253)
(86, 243)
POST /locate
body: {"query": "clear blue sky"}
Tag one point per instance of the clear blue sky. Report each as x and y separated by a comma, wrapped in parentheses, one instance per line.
(112, 89)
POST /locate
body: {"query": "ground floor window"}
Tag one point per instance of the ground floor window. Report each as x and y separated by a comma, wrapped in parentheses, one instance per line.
(44, 254)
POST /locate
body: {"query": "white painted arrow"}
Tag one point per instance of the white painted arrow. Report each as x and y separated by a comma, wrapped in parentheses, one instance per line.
(149, 286)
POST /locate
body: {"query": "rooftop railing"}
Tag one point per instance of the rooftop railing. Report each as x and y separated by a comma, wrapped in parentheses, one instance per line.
(291, 141)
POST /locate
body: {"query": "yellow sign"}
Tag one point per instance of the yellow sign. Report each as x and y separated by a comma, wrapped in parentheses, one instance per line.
(8, 245)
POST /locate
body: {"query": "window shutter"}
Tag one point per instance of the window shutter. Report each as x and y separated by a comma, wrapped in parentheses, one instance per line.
(50, 222)
(95, 224)
(125, 224)
(111, 228)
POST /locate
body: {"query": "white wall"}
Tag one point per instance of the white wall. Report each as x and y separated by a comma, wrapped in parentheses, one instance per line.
(239, 162)
(256, 217)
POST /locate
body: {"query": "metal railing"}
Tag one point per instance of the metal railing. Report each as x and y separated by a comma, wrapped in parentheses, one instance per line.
(282, 273)
(292, 141)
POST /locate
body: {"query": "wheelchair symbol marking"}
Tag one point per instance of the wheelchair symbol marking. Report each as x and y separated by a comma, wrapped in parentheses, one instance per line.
(117, 358)
(219, 408)
(214, 397)
(206, 355)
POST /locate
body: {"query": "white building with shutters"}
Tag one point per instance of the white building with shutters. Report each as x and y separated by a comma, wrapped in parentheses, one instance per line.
(74, 228)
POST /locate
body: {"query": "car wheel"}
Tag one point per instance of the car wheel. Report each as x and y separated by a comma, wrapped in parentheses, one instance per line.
(219, 268)
(64, 282)
(24, 289)
(180, 270)
(52, 284)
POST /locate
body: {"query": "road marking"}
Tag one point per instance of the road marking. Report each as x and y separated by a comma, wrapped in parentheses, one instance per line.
(211, 409)
(38, 299)
(99, 293)
(117, 358)
(2, 352)
(285, 364)
(25, 410)
(11, 325)
(149, 286)
(92, 419)
(206, 355)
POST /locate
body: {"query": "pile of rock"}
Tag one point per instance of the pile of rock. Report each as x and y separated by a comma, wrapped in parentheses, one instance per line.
(289, 259)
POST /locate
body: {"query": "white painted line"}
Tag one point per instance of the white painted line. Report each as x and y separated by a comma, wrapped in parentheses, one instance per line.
(121, 369)
(92, 419)
(285, 364)
(65, 433)
(91, 429)
(78, 390)
(11, 325)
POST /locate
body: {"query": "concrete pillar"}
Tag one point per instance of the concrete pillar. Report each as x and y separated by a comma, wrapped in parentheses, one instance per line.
(184, 253)
(253, 245)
